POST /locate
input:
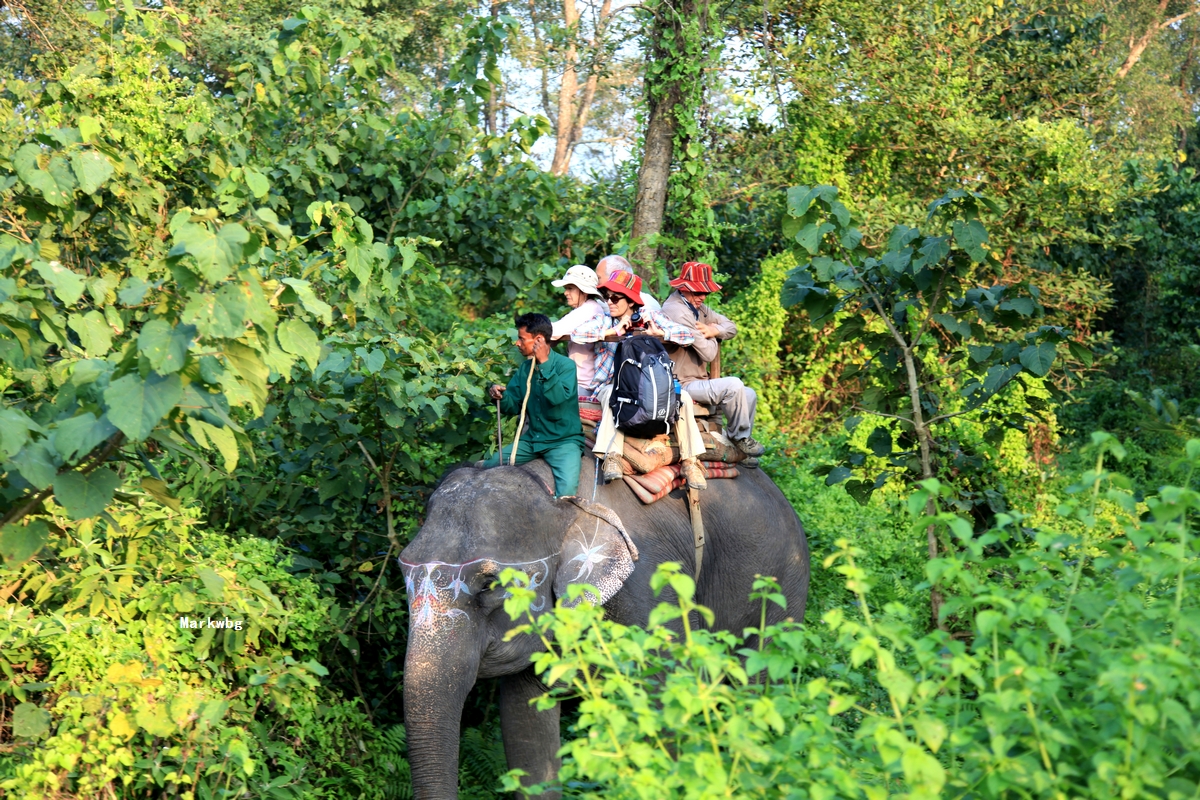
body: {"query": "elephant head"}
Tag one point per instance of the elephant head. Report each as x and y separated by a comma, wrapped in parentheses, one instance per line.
(478, 524)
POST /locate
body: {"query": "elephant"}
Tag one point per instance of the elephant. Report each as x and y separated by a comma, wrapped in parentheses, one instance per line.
(480, 521)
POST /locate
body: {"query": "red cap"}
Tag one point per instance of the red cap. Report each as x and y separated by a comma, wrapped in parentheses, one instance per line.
(624, 283)
(696, 276)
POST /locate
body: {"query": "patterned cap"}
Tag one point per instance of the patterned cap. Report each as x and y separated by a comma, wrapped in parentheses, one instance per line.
(625, 283)
(583, 278)
(696, 276)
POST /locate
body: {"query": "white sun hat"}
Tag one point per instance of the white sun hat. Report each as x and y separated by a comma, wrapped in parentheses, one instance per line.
(582, 277)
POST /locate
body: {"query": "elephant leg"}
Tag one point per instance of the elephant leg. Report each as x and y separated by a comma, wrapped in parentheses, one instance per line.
(531, 737)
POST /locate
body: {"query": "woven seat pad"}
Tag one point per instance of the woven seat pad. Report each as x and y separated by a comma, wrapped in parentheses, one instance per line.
(658, 483)
(646, 455)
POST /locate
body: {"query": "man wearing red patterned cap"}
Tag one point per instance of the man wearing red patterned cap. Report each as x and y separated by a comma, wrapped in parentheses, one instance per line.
(685, 306)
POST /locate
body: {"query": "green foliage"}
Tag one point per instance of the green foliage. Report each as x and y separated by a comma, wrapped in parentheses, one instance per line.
(1076, 677)
(106, 690)
(934, 339)
(753, 355)
(168, 260)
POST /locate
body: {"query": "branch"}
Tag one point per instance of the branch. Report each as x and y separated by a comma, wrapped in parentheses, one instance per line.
(37, 498)
(1138, 47)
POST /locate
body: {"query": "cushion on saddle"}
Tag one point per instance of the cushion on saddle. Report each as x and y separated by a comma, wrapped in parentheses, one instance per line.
(659, 483)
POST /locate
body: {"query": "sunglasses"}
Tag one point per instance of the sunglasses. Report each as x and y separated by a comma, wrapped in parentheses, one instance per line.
(612, 297)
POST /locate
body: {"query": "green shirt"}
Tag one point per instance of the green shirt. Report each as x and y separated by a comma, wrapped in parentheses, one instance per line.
(553, 400)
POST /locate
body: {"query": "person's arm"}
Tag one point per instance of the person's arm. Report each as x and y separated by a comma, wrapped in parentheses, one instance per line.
(726, 328)
(592, 330)
(678, 313)
(672, 331)
(558, 380)
(566, 326)
(514, 393)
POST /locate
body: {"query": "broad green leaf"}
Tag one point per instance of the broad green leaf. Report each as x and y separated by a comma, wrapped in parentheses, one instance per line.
(359, 260)
(922, 772)
(375, 360)
(298, 339)
(19, 543)
(155, 720)
(998, 376)
(837, 475)
(810, 235)
(85, 495)
(136, 406)
(160, 492)
(953, 324)
(1038, 359)
(25, 162)
(220, 314)
(89, 128)
(1022, 305)
(312, 304)
(214, 584)
(971, 236)
(841, 212)
(94, 334)
(931, 731)
(980, 353)
(68, 286)
(30, 721)
(223, 439)
(37, 464)
(14, 431)
(92, 169)
(216, 254)
(248, 363)
(257, 182)
(79, 435)
(880, 442)
(1081, 353)
(164, 345)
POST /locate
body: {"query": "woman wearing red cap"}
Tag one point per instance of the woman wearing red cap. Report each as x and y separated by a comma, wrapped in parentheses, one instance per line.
(686, 307)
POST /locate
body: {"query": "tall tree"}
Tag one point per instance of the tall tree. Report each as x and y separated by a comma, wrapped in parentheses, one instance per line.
(574, 101)
(674, 87)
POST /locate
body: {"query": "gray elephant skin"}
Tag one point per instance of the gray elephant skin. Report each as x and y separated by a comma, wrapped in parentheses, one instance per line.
(479, 522)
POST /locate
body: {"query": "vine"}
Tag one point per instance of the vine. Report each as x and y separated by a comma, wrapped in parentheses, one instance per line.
(680, 57)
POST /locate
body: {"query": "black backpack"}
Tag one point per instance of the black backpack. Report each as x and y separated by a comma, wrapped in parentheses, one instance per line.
(644, 402)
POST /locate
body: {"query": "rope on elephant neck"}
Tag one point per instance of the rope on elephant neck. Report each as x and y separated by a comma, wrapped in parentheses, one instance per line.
(512, 457)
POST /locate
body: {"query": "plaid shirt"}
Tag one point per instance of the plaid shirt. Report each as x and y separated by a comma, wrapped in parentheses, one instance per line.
(593, 331)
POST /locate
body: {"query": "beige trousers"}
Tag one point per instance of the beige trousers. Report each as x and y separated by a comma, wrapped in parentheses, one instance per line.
(611, 440)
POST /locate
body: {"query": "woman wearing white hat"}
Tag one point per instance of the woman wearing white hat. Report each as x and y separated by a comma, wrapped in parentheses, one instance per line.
(581, 294)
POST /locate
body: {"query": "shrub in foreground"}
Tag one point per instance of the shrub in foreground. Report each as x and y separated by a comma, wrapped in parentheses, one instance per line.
(1072, 673)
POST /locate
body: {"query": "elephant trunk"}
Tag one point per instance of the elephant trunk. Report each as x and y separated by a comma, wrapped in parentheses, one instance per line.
(438, 674)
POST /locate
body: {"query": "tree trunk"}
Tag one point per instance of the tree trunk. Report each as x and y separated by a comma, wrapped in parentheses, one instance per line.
(573, 110)
(489, 120)
(567, 91)
(1138, 45)
(664, 101)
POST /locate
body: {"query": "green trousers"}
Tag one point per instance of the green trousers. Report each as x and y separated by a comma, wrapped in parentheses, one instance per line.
(564, 459)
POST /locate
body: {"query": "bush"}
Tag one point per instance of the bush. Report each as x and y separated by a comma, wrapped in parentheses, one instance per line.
(1076, 677)
(104, 692)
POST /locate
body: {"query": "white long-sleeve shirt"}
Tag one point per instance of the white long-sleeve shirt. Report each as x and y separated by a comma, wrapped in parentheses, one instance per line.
(584, 355)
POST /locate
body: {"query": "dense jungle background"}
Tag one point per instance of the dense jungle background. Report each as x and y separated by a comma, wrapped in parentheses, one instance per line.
(259, 261)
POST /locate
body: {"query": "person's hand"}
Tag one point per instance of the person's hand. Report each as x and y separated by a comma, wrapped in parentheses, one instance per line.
(615, 333)
(495, 391)
(541, 351)
(656, 331)
(707, 331)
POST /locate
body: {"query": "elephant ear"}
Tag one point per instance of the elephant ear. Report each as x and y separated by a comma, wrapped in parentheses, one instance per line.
(596, 551)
